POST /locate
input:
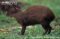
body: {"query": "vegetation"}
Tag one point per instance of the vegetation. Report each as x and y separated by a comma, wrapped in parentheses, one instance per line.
(9, 27)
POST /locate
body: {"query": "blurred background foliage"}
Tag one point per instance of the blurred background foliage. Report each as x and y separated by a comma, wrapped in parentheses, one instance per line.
(36, 31)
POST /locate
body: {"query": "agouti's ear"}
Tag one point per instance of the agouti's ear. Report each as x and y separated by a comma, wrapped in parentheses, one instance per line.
(17, 8)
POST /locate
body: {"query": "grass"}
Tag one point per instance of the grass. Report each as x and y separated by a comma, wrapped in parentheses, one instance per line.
(30, 34)
(6, 23)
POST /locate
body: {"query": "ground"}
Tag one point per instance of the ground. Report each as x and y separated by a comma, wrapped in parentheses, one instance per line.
(9, 27)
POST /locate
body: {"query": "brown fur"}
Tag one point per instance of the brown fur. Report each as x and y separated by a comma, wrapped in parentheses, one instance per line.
(6, 7)
(35, 15)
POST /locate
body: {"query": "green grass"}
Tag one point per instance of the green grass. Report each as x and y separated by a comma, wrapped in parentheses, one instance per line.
(36, 31)
(30, 34)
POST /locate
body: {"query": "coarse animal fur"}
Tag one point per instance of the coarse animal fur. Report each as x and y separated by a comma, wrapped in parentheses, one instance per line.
(34, 15)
